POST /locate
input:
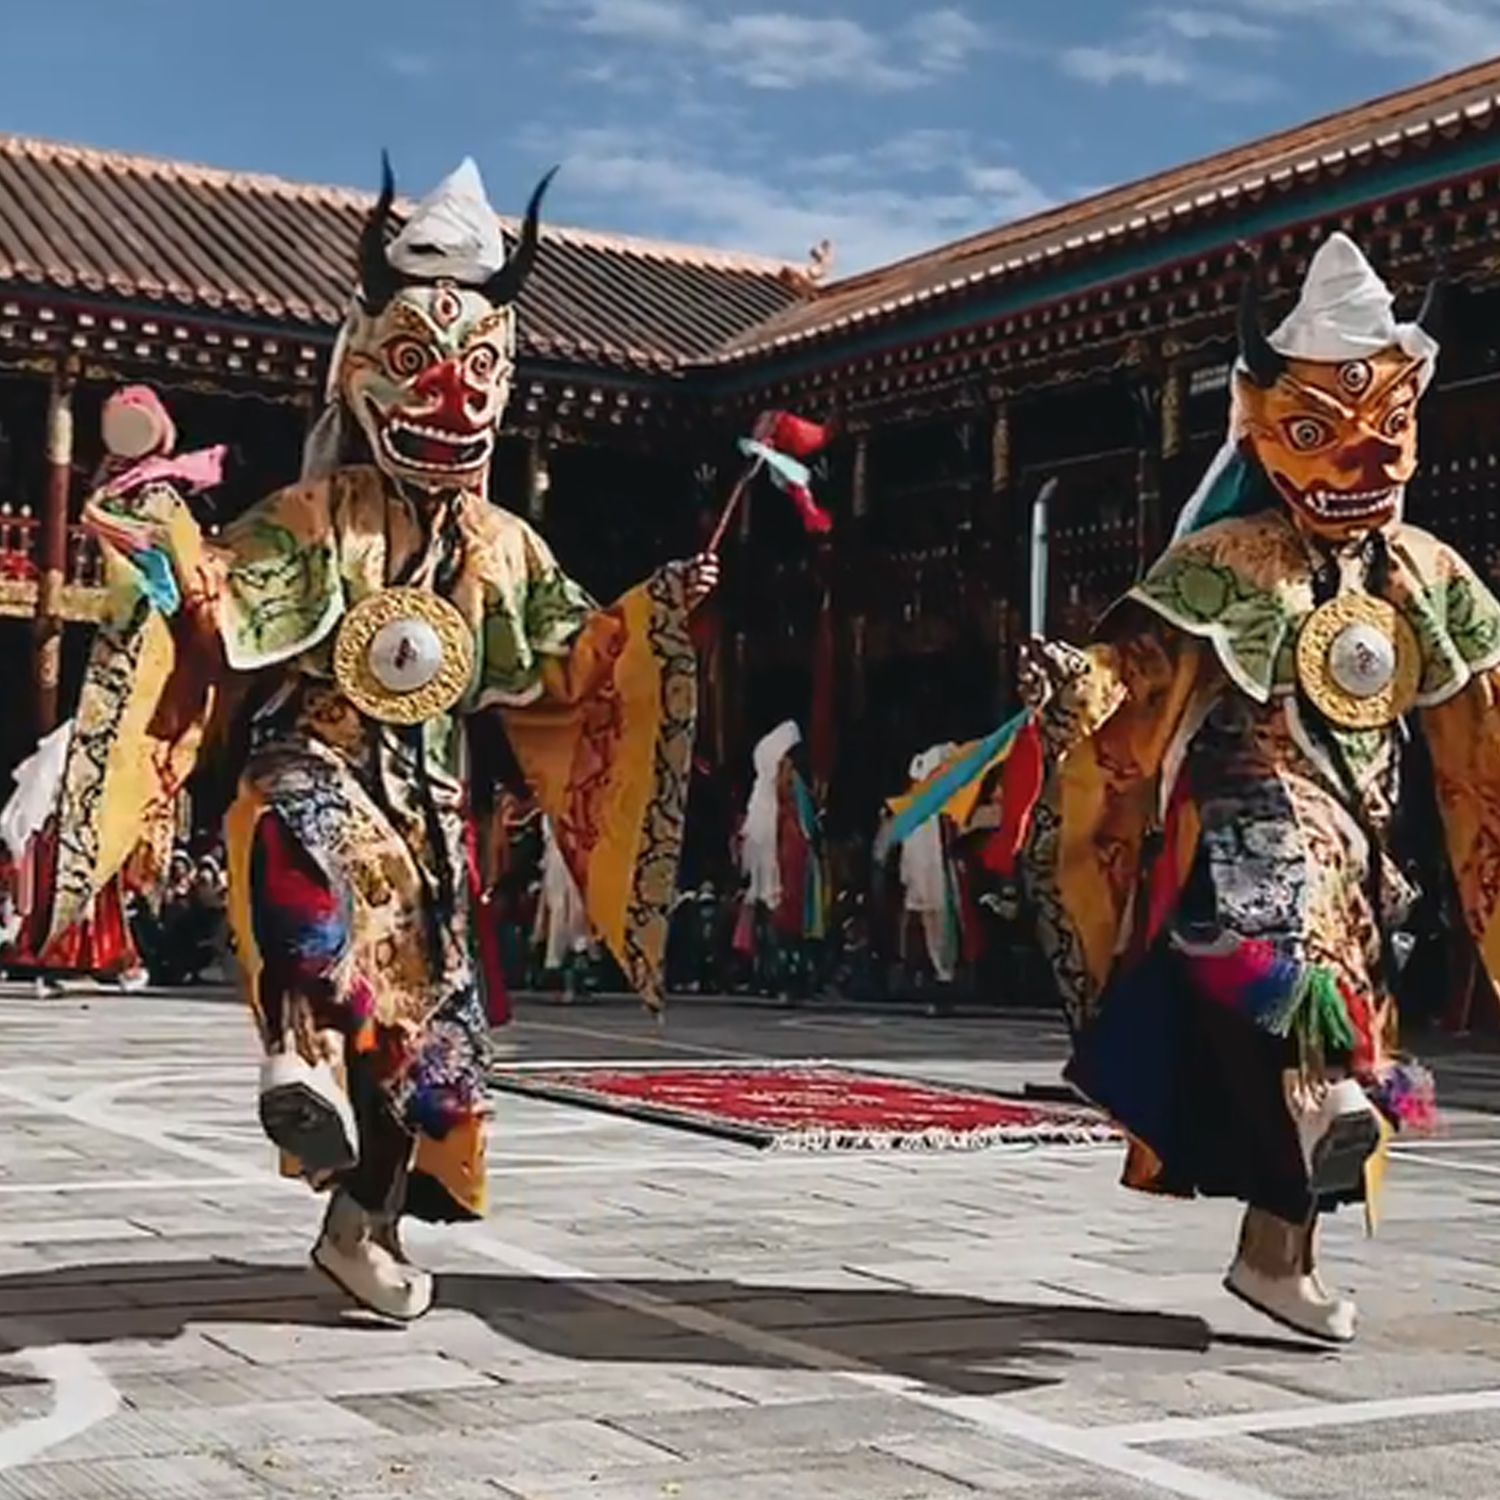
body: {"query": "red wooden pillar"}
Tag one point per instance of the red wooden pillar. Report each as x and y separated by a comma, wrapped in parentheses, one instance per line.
(823, 712)
(52, 554)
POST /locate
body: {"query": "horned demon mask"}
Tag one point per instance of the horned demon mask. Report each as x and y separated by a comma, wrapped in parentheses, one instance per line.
(1327, 403)
(425, 361)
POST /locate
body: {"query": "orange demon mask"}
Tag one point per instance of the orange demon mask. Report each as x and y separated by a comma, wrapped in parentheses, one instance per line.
(1328, 404)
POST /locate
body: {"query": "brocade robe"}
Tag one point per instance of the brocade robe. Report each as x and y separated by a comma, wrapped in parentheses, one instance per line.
(1186, 801)
(599, 706)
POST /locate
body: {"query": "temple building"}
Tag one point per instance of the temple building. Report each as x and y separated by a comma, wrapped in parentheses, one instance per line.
(1090, 343)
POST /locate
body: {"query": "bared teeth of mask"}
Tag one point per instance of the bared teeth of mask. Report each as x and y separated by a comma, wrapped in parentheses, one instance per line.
(1341, 502)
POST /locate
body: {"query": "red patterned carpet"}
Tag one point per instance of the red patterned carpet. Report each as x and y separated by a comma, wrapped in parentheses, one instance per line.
(810, 1107)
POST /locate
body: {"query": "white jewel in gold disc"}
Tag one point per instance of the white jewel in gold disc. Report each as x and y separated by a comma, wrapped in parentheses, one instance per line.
(403, 656)
(1359, 661)
(1362, 661)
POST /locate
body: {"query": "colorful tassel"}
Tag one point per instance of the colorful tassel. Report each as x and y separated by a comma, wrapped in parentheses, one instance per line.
(945, 784)
(1406, 1094)
(1021, 786)
(793, 478)
(158, 582)
(1278, 994)
(1320, 1014)
(815, 520)
(790, 434)
(1251, 977)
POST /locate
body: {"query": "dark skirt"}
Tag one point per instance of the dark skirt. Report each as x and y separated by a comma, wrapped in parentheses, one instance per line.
(1200, 1085)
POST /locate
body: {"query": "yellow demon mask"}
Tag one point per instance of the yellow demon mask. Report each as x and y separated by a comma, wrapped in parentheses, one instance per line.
(1327, 405)
(427, 356)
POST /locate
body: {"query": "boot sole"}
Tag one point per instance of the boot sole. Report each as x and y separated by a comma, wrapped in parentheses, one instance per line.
(1338, 1160)
(1317, 1335)
(305, 1125)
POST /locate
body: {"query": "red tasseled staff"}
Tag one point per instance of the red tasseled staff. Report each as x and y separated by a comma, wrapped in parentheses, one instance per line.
(779, 443)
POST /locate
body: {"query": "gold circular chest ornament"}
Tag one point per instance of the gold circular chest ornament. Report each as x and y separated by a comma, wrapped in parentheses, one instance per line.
(1359, 661)
(403, 656)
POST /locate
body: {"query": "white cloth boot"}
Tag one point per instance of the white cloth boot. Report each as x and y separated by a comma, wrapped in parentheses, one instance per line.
(305, 1111)
(1275, 1272)
(1339, 1131)
(361, 1253)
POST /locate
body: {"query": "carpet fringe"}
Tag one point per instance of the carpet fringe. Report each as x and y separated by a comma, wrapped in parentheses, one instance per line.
(938, 1139)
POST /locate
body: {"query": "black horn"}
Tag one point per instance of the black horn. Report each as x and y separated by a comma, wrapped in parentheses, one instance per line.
(377, 277)
(1264, 364)
(505, 285)
(1430, 318)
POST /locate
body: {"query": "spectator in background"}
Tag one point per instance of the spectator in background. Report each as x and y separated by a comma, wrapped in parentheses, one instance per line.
(562, 934)
(99, 945)
(930, 896)
(781, 856)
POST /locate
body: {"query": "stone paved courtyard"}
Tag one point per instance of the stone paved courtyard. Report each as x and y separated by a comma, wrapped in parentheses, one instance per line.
(651, 1314)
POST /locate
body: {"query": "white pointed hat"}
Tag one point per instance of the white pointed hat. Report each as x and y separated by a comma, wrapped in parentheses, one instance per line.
(1346, 311)
(453, 233)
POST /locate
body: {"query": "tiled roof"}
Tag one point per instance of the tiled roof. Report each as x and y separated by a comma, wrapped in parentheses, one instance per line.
(1470, 97)
(227, 244)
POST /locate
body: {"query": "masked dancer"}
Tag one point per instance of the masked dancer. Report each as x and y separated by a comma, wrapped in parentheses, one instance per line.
(337, 636)
(1283, 739)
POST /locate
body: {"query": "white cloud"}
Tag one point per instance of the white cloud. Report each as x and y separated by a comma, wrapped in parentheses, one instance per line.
(1189, 48)
(1210, 26)
(778, 49)
(1431, 33)
(946, 39)
(637, 20)
(1205, 50)
(647, 185)
(921, 150)
(1105, 65)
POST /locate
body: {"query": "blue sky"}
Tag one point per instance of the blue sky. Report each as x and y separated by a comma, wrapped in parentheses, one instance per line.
(761, 125)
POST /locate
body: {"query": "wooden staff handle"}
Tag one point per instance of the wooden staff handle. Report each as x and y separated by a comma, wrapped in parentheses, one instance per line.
(731, 505)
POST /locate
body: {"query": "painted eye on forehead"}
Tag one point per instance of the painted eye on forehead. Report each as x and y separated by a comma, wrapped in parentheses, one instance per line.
(1355, 377)
(447, 307)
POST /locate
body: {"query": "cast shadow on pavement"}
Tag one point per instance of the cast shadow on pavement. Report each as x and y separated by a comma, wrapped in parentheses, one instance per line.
(950, 1342)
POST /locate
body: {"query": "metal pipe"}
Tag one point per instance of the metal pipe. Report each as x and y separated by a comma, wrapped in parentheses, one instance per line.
(1039, 540)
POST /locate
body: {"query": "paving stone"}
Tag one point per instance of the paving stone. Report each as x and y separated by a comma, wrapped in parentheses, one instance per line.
(1223, 1455)
(858, 1474)
(1098, 1487)
(169, 1351)
(794, 1425)
(543, 1453)
(54, 1231)
(1372, 1376)
(495, 1408)
(768, 1386)
(1024, 1278)
(1456, 1473)
(194, 1478)
(1396, 1434)
(979, 1459)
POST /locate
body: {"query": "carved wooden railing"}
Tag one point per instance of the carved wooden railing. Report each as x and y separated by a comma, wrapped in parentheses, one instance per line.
(20, 567)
